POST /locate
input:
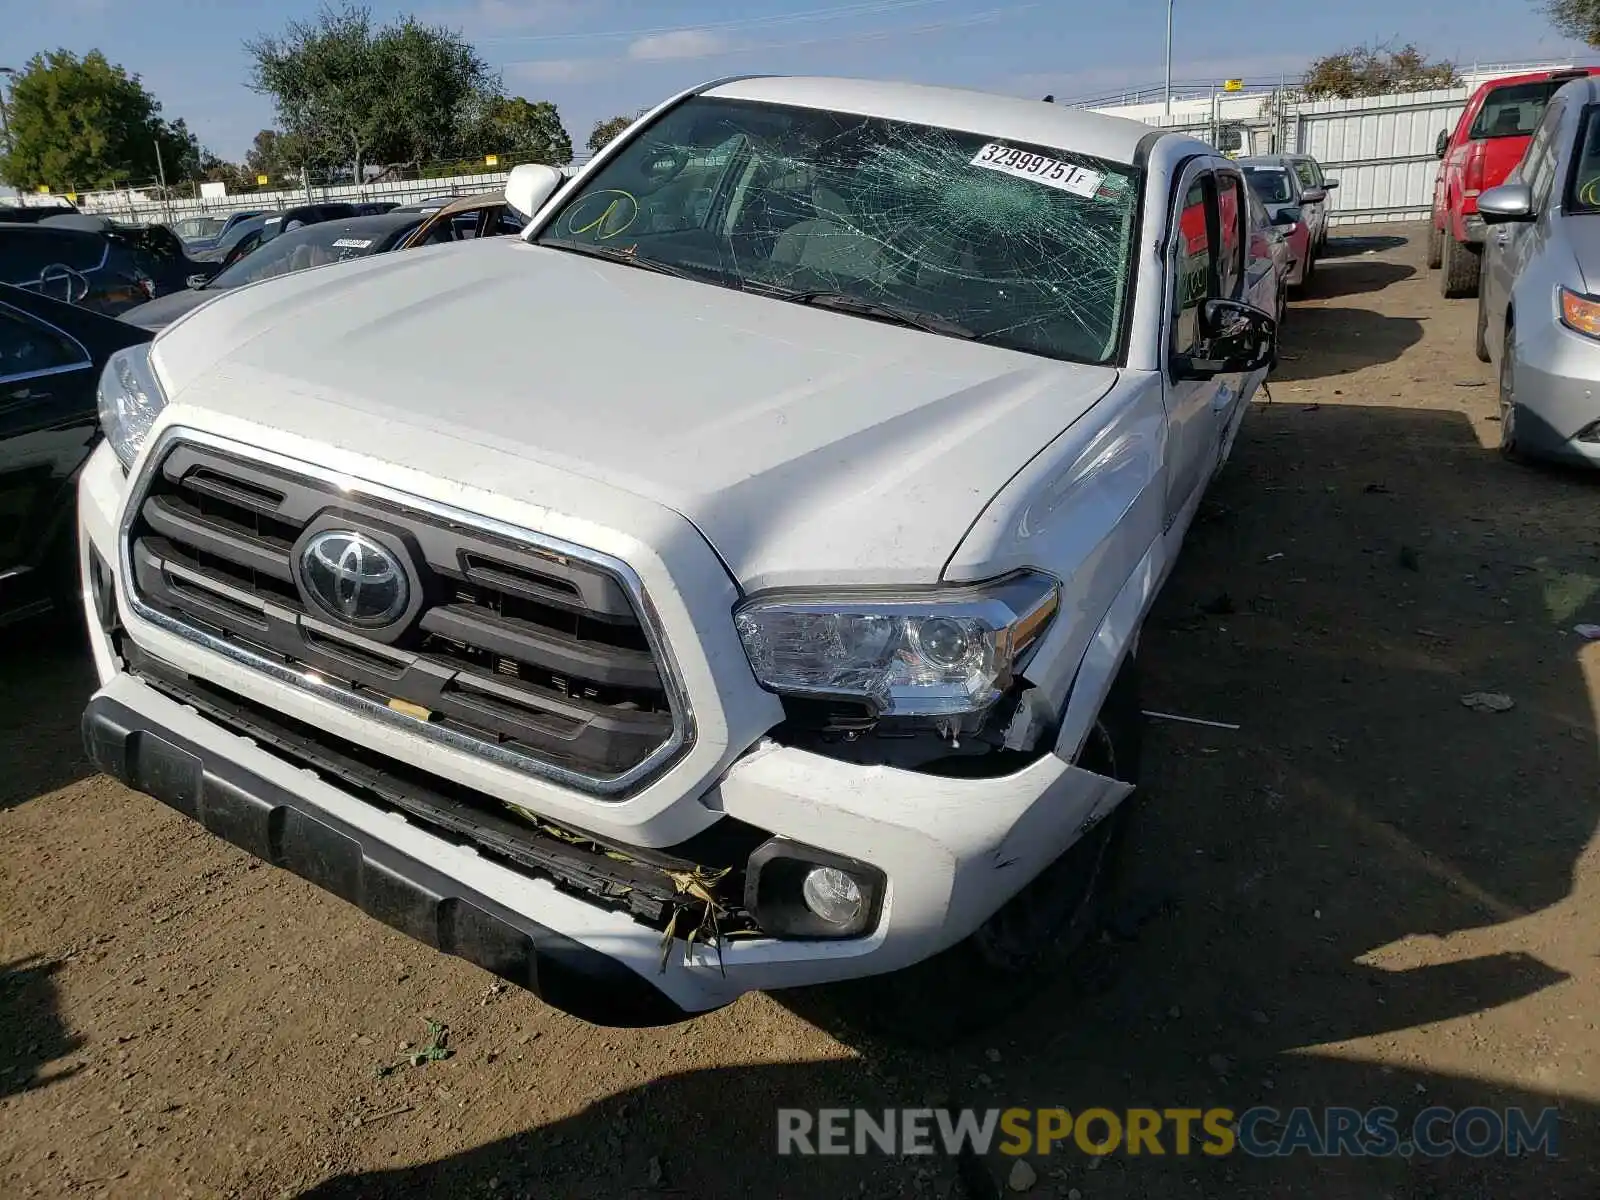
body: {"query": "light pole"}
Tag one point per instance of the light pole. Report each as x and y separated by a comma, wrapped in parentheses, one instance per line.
(1167, 111)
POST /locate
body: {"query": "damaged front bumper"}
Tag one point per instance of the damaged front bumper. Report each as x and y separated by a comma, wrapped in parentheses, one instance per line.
(596, 928)
(951, 850)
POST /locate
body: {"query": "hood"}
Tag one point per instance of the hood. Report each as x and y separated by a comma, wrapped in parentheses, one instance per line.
(807, 446)
(157, 314)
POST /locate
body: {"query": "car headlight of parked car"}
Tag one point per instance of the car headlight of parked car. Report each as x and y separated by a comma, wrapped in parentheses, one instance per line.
(130, 398)
(941, 652)
(1579, 313)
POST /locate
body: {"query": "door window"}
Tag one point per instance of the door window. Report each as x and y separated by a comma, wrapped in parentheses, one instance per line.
(1231, 240)
(28, 347)
(1196, 265)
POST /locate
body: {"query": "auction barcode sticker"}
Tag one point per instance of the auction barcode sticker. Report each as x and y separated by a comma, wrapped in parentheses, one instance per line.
(352, 243)
(1040, 168)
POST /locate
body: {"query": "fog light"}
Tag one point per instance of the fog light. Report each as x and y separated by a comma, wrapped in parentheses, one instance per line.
(799, 891)
(832, 895)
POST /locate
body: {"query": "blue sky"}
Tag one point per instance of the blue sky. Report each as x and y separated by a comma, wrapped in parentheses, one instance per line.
(599, 57)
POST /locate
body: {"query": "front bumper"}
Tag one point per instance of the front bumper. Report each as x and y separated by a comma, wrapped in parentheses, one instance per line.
(951, 850)
(290, 829)
(1473, 229)
(1558, 393)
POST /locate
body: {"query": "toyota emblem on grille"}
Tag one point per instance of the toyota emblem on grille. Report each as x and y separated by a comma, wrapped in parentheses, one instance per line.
(352, 577)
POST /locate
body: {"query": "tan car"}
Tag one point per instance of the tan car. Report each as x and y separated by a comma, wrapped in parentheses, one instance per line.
(484, 215)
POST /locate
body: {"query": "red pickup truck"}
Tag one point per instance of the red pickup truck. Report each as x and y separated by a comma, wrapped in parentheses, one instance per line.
(1477, 155)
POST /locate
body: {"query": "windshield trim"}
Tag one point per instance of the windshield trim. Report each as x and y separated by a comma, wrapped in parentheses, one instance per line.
(1136, 173)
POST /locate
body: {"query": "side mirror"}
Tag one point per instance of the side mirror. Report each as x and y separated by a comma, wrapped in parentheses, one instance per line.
(1238, 339)
(1443, 144)
(1313, 196)
(1286, 216)
(530, 185)
(1330, 184)
(1507, 203)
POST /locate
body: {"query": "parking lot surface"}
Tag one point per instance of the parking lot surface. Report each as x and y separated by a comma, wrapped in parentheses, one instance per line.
(1368, 894)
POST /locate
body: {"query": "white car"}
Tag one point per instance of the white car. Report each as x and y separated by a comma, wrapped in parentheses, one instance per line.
(732, 583)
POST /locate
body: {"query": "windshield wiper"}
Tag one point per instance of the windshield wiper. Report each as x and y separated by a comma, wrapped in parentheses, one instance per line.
(844, 302)
(627, 256)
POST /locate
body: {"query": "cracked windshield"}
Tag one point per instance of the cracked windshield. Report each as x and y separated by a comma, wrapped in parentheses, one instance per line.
(1020, 246)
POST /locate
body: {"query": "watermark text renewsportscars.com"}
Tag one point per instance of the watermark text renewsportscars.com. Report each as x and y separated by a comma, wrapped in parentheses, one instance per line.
(1259, 1132)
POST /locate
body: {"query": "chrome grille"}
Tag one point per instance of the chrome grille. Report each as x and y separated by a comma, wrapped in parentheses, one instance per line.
(532, 651)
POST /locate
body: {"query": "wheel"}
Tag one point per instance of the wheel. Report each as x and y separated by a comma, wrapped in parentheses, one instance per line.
(1035, 936)
(1480, 339)
(1435, 247)
(1509, 449)
(1458, 276)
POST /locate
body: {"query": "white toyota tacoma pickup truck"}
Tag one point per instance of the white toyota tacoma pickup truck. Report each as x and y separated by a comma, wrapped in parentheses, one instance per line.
(732, 582)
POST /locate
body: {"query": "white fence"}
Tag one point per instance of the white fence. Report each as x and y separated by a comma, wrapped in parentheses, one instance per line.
(140, 207)
(1379, 148)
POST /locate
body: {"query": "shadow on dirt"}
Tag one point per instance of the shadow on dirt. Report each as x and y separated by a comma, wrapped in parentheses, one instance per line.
(34, 1032)
(1350, 244)
(1354, 277)
(46, 677)
(1351, 587)
(1318, 342)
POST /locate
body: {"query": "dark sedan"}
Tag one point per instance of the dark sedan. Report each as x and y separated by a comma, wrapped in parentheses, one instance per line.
(245, 236)
(309, 246)
(207, 233)
(51, 355)
(104, 270)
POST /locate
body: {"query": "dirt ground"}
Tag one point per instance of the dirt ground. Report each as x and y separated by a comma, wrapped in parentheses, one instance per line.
(1368, 894)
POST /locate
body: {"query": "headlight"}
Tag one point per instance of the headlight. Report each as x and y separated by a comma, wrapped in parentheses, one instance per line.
(937, 653)
(129, 399)
(1580, 313)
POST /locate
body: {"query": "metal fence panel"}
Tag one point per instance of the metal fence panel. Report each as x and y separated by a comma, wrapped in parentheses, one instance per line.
(1379, 148)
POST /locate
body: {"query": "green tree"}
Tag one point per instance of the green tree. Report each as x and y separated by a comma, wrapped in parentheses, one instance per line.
(1377, 70)
(435, 88)
(278, 156)
(351, 93)
(605, 132)
(530, 129)
(87, 123)
(214, 169)
(1577, 19)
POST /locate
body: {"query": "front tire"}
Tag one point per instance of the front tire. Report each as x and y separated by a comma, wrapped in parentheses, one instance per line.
(1481, 338)
(1458, 277)
(1034, 937)
(1510, 450)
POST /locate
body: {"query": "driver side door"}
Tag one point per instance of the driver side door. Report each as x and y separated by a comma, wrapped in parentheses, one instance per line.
(1205, 260)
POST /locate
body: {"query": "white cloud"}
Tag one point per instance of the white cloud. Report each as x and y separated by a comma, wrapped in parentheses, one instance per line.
(501, 15)
(558, 70)
(679, 43)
